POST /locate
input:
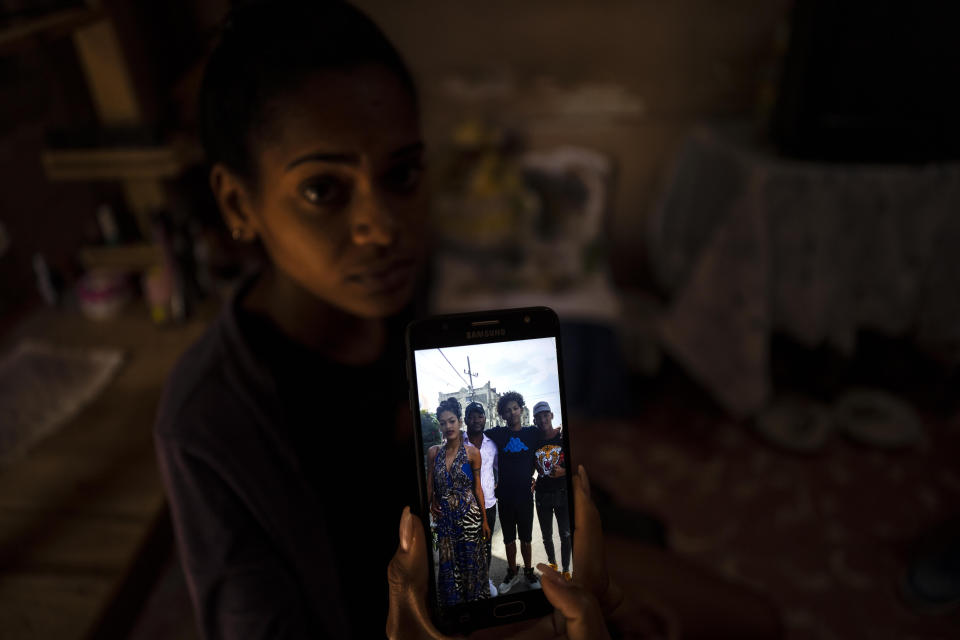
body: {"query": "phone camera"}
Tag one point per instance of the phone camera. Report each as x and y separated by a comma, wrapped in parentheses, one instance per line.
(526, 319)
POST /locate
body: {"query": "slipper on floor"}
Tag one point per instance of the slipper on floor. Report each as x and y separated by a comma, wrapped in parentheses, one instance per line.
(795, 423)
(877, 419)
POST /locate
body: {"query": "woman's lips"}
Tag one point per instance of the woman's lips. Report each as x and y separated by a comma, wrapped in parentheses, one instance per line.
(385, 279)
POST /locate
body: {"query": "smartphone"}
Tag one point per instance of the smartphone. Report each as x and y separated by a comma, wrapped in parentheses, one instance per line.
(493, 379)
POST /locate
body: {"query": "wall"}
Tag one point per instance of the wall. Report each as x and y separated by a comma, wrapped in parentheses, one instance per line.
(656, 67)
(627, 77)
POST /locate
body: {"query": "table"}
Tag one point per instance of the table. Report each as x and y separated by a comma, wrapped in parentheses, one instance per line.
(748, 243)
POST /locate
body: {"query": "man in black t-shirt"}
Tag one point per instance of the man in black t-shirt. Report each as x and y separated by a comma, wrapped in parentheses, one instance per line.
(515, 454)
(552, 487)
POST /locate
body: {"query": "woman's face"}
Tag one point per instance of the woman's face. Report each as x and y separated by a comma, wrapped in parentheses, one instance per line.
(449, 424)
(339, 203)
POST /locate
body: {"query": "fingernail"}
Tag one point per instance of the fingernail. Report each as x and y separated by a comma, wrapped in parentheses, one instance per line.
(551, 574)
(584, 480)
(406, 530)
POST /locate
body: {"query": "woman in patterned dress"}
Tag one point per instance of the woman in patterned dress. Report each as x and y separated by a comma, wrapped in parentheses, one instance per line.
(455, 496)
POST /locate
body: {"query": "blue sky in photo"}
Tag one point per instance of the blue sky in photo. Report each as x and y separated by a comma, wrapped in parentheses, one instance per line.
(527, 366)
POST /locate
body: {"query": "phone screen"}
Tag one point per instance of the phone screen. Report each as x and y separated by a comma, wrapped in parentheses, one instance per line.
(502, 400)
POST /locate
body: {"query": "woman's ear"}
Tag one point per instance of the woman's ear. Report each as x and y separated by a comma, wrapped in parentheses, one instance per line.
(235, 201)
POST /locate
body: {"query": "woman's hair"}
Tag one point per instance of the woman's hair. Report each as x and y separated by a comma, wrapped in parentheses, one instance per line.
(509, 396)
(451, 405)
(268, 48)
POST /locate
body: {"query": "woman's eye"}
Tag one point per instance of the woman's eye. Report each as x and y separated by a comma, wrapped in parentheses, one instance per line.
(324, 191)
(404, 178)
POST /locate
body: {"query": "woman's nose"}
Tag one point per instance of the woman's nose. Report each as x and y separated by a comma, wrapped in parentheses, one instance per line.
(372, 222)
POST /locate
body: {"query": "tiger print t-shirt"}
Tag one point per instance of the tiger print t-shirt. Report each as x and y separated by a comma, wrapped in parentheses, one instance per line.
(549, 458)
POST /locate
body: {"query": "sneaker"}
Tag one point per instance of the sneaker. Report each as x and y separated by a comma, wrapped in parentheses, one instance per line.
(493, 590)
(532, 581)
(509, 580)
(566, 574)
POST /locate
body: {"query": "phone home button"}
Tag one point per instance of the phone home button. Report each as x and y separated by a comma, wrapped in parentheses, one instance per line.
(509, 609)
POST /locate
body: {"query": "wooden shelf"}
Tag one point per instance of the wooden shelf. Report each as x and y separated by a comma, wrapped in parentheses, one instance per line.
(132, 257)
(53, 25)
(147, 163)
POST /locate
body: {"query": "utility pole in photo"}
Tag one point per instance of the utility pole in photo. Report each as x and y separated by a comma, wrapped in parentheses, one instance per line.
(470, 376)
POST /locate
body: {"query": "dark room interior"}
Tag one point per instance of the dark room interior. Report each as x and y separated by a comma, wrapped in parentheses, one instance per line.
(746, 215)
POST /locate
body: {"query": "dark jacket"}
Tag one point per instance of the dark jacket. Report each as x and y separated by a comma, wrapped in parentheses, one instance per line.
(251, 478)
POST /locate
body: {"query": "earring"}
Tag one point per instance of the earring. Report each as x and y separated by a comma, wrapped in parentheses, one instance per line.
(236, 233)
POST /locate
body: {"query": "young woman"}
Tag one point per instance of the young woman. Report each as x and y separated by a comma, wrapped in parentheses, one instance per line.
(456, 495)
(310, 122)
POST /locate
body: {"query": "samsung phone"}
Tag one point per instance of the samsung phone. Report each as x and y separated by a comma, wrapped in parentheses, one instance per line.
(486, 392)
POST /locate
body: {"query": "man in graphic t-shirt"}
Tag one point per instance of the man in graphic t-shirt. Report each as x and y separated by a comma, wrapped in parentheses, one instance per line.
(552, 487)
(515, 457)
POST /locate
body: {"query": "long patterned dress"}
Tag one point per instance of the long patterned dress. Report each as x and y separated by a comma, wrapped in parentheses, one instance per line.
(462, 571)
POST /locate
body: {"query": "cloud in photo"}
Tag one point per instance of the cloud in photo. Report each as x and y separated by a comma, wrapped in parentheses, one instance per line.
(526, 366)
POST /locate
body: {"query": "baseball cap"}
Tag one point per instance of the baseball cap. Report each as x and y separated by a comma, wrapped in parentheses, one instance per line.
(540, 407)
(474, 406)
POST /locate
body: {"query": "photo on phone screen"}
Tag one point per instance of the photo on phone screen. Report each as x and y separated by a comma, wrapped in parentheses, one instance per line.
(491, 422)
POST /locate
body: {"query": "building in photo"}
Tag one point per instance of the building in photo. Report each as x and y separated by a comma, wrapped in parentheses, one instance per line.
(488, 397)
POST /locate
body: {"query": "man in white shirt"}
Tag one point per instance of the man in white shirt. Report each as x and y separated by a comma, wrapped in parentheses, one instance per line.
(476, 420)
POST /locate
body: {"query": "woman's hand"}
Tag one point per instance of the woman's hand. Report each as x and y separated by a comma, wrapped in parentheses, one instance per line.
(579, 608)
(435, 507)
(407, 577)
(580, 605)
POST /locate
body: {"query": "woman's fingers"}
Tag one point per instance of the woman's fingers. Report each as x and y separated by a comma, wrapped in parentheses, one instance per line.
(407, 577)
(580, 609)
(589, 560)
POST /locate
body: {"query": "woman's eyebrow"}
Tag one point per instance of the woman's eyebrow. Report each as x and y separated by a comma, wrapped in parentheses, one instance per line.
(353, 159)
(336, 158)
